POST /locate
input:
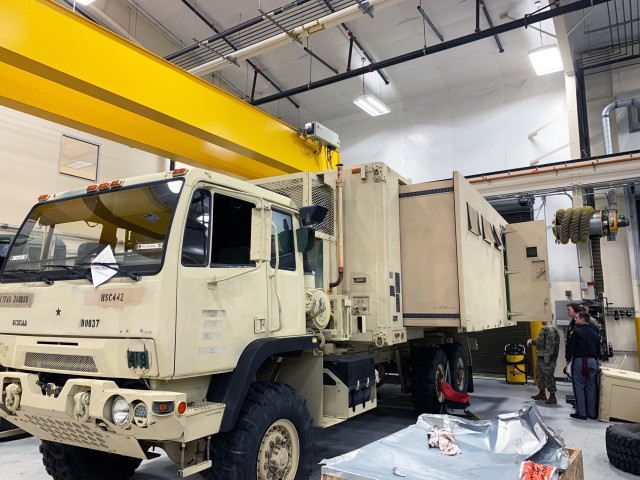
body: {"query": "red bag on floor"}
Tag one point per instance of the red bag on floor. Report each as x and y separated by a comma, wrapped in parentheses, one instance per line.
(533, 471)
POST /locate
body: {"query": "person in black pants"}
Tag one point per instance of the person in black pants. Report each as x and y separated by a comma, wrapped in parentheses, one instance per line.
(582, 351)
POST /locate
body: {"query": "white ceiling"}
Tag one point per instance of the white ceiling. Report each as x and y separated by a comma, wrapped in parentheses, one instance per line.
(393, 31)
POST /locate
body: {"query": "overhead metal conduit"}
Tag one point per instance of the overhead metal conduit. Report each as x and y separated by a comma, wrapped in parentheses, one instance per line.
(423, 52)
(306, 30)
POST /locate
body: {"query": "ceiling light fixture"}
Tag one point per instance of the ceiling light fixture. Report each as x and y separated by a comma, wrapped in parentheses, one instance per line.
(83, 2)
(546, 59)
(372, 105)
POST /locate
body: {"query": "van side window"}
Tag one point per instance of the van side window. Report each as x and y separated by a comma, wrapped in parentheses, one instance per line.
(195, 244)
(286, 247)
(231, 232)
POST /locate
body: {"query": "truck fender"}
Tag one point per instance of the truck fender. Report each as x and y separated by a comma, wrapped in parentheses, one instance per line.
(231, 388)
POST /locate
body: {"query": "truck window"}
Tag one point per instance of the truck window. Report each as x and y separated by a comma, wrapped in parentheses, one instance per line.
(195, 243)
(286, 247)
(60, 238)
(231, 231)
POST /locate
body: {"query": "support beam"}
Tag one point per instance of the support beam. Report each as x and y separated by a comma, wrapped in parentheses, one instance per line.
(423, 52)
(61, 67)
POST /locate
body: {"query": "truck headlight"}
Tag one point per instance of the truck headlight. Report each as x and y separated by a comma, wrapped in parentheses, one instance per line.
(120, 411)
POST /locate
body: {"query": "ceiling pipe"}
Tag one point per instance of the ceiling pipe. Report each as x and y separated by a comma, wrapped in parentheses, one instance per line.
(257, 70)
(353, 38)
(606, 122)
(423, 52)
(237, 28)
(284, 38)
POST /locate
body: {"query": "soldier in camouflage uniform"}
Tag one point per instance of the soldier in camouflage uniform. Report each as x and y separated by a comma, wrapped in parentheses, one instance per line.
(547, 346)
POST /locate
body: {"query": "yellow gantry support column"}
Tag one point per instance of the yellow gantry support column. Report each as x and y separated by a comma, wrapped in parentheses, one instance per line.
(535, 328)
(59, 66)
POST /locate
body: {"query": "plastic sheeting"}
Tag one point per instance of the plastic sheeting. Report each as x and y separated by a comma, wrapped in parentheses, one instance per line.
(491, 450)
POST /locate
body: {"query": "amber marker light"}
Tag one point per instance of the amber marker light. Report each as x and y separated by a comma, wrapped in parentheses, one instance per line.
(43, 197)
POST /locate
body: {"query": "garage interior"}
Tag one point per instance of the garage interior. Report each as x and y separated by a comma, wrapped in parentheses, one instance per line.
(94, 92)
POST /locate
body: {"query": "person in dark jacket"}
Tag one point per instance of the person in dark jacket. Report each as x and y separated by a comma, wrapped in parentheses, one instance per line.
(572, 312)
(582, 351)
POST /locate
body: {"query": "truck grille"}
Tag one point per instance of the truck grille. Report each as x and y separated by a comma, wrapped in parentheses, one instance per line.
(54, 361)
(321, 194)
(324, 196)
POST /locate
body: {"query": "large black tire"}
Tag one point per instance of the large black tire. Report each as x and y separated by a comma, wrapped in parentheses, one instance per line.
(623, 447)
(66, 462)
(272, 435)
(428, 366)
(458, 371)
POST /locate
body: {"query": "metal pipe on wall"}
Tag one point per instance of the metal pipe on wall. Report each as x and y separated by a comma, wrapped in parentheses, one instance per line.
(340, 226)
(606, 122)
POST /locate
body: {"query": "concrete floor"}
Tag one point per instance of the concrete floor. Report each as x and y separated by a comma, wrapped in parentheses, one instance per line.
(20, 458)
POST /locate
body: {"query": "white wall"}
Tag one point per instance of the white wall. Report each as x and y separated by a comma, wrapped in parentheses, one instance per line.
(29, 150)
(472, 129)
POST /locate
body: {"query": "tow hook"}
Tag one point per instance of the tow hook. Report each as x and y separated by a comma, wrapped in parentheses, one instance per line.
(81, 409)
(12, 399)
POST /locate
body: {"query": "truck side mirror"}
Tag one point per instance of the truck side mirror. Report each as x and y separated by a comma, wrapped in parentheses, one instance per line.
(259, 250)
(312, 214)
(305, 237)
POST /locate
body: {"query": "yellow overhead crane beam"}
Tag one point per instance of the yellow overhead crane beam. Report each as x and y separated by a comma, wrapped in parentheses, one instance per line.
(59, 66)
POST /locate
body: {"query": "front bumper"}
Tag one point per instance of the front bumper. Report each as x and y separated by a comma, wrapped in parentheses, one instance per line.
(57, 418)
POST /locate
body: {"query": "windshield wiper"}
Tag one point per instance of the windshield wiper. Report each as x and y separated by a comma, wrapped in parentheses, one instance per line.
(86, 275)
(135, 276)
(35, 273)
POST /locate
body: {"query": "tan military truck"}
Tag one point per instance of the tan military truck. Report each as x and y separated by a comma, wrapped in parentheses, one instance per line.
(219, 320)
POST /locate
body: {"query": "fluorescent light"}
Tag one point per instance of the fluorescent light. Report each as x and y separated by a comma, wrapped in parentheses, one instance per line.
(83, 2)
(371, 105)
(546, 59)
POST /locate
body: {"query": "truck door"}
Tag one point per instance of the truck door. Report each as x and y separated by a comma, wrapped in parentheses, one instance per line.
(221, 293)
(527, 272)
(286, 282)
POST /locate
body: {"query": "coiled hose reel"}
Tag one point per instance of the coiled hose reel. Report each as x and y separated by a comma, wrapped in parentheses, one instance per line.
(578, 224)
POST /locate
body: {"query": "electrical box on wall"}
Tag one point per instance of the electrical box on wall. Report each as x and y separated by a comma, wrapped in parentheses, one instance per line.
(562, 319)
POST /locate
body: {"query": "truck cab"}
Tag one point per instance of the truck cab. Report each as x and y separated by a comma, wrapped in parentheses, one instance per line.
(129, 336)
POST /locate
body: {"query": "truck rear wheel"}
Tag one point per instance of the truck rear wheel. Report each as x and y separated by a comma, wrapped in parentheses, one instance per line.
(428, 367)
(272, 439)
(457, 366)
(66, 462)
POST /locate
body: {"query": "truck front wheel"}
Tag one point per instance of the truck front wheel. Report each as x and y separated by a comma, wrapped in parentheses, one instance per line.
(66, 462)
(272, 438)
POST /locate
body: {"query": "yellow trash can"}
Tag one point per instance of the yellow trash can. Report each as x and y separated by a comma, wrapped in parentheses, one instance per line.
(517, 364)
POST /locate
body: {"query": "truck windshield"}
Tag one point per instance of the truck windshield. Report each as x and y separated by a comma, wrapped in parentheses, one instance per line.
(60, 239)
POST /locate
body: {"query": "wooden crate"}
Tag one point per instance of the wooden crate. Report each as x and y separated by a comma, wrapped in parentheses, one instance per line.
(573, 472)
